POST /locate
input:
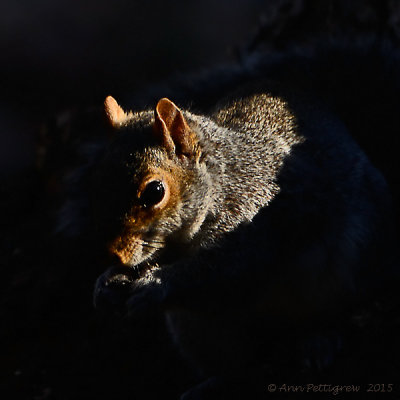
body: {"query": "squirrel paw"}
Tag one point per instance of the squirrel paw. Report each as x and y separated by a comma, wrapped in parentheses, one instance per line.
(112, 290)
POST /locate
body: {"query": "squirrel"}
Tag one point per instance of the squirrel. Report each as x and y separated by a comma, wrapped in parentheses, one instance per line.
(237, 224)
(240, 209)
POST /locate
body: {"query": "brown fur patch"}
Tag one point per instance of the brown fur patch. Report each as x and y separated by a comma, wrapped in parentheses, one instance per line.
(124, 246)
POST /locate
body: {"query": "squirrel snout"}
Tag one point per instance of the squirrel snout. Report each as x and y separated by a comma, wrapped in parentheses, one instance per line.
(124, 247)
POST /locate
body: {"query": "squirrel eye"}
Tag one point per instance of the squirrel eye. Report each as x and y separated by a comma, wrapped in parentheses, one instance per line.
(152, 194)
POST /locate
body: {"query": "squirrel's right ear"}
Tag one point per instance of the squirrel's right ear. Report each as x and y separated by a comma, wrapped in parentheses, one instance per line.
(116, 116)
(171, 127)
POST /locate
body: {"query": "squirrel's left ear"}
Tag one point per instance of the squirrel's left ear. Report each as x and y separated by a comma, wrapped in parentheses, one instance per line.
(171, 127)
(115, 114)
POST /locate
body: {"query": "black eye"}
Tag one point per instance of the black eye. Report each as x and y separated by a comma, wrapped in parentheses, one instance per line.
(152, 194)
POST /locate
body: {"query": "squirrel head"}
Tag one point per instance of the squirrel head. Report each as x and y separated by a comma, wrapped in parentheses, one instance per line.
(142, 187)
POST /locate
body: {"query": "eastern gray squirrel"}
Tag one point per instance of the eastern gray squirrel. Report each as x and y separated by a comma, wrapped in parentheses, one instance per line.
(257, 214)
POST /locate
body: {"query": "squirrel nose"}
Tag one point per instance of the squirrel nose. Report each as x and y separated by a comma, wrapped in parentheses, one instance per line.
(124, 246)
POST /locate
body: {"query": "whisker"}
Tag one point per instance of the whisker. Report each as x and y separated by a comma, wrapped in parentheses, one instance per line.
(154, 241)
(151, 247)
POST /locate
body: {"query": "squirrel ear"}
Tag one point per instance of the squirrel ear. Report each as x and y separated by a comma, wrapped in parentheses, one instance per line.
(171, 126)
(115, 114)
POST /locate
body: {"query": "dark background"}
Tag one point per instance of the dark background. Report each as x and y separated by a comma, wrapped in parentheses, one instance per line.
(59, 59)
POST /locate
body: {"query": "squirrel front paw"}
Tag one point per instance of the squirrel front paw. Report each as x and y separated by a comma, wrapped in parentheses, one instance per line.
(113, 288)
(122, 291)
